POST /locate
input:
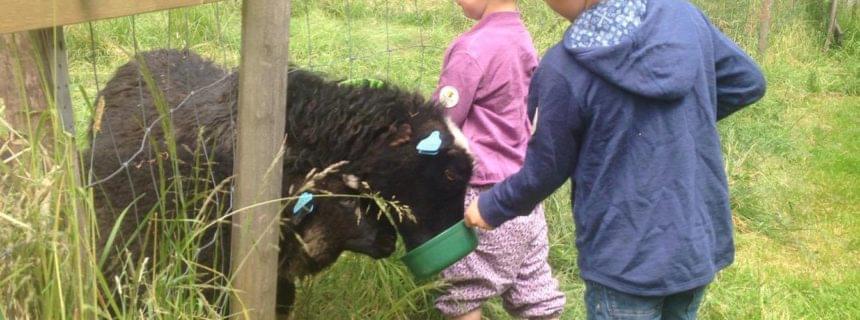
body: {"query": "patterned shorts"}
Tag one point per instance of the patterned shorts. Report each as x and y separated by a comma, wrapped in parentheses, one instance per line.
(511, 262)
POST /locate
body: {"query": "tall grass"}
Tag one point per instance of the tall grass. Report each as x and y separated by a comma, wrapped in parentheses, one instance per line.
(793, 161)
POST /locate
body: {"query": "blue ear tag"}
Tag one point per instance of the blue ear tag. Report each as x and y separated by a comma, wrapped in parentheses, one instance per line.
(304, 204)
(430, 145)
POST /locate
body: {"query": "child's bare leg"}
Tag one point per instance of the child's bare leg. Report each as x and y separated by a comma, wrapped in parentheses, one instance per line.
(471, 315)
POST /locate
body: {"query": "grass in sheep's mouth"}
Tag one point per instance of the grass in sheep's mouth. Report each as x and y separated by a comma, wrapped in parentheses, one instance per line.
(792, 161)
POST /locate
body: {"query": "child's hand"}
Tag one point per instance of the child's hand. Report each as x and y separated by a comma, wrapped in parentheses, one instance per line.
(473, 218)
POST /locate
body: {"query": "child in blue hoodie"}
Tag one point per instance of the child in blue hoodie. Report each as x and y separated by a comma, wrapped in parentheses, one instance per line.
(628, 107)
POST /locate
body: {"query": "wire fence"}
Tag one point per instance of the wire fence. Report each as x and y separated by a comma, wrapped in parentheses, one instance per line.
(389, 40)
(323, 40)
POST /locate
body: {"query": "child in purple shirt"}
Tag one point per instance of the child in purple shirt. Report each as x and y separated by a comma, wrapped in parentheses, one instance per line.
(483, 88)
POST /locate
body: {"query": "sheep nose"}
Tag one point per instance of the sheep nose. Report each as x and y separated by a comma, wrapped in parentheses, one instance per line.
(379, 254)
(383, 247)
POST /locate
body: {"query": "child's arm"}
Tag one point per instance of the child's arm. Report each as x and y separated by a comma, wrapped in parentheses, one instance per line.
(739, 80)
(551, 154)
(457, 86)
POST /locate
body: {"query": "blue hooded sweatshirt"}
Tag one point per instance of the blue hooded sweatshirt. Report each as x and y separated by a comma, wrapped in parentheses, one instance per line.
(634, 126)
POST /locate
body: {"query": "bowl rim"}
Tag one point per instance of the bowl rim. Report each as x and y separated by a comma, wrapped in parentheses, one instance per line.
(433, 242)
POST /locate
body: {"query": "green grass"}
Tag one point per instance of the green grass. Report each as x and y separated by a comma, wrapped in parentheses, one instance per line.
(793, 161)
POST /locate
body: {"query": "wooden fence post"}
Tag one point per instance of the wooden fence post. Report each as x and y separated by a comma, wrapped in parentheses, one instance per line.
(258, 169)
(22, 85)
(764, 27)
(31, 62)
(34, 68)
(52, 45)
(854, 7)
(832, 24)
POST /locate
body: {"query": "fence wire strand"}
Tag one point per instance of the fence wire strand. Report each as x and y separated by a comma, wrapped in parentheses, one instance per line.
(353, 60)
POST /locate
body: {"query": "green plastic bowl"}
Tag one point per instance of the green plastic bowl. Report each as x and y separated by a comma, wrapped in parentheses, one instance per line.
(441, 252)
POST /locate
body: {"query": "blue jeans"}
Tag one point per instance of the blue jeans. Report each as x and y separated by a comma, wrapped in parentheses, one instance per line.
(604, 303)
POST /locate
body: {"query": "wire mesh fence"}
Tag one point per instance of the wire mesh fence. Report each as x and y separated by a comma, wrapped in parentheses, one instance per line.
(388, 40)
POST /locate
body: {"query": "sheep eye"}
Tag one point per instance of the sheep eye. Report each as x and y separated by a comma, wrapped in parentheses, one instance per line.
(450, 175)
(347, 202)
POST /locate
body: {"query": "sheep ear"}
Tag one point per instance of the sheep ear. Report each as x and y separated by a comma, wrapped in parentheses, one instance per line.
(459, 138)
(402, 135)
(351, 181)
(297, 220)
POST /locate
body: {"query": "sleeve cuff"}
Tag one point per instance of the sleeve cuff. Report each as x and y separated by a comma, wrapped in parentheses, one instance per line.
(490, 210)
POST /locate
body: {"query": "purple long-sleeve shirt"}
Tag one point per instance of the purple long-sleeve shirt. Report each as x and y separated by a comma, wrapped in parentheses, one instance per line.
(483, 87)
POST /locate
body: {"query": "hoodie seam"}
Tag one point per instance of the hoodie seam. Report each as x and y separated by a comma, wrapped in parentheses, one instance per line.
(654, 81)
(571, 98)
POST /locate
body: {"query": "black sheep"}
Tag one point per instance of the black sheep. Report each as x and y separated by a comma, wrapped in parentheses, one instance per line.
(369, 134)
